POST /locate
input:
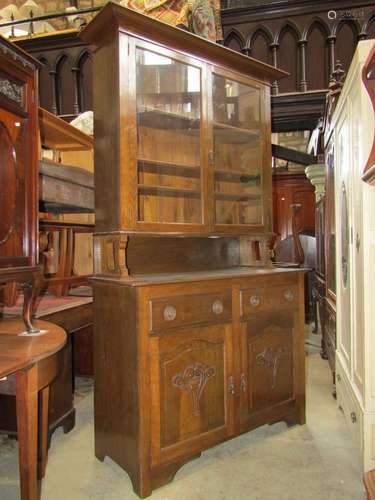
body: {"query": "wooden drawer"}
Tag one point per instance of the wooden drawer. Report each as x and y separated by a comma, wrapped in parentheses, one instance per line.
(330, 350)
(264, 299)
(187, 310)
(350, 406)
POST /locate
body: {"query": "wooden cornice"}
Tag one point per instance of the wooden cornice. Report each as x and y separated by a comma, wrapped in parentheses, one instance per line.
(113, 16)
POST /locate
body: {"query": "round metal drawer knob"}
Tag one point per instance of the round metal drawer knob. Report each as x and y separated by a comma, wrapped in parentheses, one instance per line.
(217, 307)
(254, 300)
(288, 295)
(169, 313)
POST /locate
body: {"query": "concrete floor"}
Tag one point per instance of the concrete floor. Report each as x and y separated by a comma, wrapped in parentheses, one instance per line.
(315, 461)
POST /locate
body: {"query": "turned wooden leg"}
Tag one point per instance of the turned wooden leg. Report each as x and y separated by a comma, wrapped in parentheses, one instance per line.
(43, 432)
(27, 427)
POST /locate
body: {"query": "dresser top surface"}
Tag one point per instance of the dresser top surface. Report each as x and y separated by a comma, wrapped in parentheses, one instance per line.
(139, 280)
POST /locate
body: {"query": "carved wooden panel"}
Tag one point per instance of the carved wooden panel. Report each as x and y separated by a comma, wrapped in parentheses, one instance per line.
(268, 365)
(190, 368)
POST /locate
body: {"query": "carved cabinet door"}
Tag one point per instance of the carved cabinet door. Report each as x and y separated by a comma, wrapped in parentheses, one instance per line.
(266, 381)
(12, 196)
(191, 391)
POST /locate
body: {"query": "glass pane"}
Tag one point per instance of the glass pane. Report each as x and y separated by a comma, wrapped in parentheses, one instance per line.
(344, 237)
(8, 178)
(331, 271)
(237, 153)
(168, 121)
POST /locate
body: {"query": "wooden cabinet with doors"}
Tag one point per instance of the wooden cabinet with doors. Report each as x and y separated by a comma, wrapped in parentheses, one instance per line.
(197, 337)
(201, 359)
(18, 171)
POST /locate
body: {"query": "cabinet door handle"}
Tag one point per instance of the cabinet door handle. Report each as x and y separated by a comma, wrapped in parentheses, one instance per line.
(243, 383)
(357, 242)
(217, 307)
(231, 387)
(254, 300)
(353, 417)
(288, 295)
(169, 313)
(338, 377)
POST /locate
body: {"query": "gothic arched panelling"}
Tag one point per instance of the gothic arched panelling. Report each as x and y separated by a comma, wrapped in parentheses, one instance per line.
(287, 59)
(260, 47)
(346, 42)
(234, 41)
(85, 85)
(45, 85)
(64, 87)
(317, 57)
(371, 27)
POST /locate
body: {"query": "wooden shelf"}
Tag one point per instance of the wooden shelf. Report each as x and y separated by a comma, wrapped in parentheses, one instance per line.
(236, 176)
(236, 197)
(168, 168)
(57, 134)
(157, 118)
(235, 135)
(169, 191)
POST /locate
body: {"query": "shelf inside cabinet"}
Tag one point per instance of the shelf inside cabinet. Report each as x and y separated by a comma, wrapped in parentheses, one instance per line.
(168, 168)
(160, 119)
(236, 176)
(147, 189)
(237, 197)
(235, 135)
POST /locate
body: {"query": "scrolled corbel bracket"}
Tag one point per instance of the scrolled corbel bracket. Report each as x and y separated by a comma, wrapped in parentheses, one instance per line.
(110, 255)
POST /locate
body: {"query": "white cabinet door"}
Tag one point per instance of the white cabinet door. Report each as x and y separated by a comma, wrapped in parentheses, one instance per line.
(343, 262)
(358, 327)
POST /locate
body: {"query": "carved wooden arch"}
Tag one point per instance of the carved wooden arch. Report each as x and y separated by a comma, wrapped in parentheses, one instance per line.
(43, 60)
(60, 60)
(353, 23)
(292, 28)
(81, 59)
(319, 23)
(322, 26)
(367, 23)
(82, 56)
(293, 82)
(262, 31)
(234, 34)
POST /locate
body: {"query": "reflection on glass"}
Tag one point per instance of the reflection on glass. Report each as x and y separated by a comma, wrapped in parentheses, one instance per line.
(344, 237)
(237, 153)
(331, 271)
(168, 120)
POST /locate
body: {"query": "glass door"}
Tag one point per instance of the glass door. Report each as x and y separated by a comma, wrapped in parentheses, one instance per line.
(169, 109)
(237, 152)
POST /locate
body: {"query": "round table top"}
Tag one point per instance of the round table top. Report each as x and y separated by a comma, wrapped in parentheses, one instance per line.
(20, 351)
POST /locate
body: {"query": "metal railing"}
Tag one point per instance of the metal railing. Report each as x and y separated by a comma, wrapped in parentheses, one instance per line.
(78, 15)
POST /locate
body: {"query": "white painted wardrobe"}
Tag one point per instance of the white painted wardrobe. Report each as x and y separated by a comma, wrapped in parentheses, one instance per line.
(353, 128)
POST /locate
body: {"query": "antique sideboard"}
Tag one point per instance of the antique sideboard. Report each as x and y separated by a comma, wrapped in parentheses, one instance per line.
(197, 338)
